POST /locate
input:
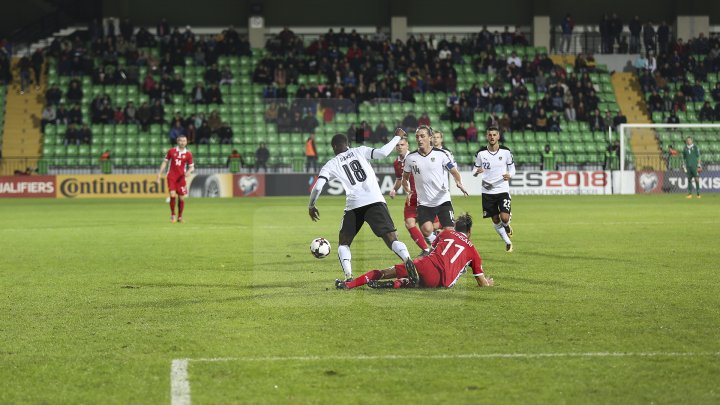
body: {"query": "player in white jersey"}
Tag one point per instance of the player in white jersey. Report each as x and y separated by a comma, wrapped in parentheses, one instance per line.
(429, 167)
(496, 164)
(364, 202)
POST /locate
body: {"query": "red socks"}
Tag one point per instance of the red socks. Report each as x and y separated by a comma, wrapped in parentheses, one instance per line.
(362, 280)
(172, 205)
(418, 237)
(181, 207)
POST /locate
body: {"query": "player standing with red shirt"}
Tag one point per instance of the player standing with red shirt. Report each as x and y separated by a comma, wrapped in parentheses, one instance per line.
(179, 157)
(452, 253)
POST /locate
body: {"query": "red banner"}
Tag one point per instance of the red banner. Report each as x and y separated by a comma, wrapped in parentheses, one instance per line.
(27, 186)
(249, 185)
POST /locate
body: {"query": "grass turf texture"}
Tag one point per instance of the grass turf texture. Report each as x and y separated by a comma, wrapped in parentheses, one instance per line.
(99, 296)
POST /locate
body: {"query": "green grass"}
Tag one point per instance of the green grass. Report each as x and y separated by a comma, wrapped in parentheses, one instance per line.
(98, 298)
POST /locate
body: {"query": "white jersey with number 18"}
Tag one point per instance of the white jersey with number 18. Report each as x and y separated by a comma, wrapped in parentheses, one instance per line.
(356, 175)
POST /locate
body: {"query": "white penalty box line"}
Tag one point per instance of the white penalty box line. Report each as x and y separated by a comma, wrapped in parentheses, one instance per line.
(180, 381)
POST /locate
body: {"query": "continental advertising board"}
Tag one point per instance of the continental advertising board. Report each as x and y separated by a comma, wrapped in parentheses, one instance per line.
(139, 186)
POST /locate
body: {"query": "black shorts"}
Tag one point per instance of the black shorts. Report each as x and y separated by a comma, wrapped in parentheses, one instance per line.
(376, 215)
(444, 212)
(494, 204)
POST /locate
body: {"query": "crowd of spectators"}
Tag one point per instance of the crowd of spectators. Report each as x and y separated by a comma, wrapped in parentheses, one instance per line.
(378, 70)
(680, 76)
(115, 57)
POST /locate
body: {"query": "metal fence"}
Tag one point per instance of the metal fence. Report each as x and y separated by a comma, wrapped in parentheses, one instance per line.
(589, 41)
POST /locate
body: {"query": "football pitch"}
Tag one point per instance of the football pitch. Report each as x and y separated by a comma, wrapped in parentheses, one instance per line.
(606, 299)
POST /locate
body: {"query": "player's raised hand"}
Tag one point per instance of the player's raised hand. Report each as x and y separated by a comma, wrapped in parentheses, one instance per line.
(392, 194)
(400, 132)
(314, 213)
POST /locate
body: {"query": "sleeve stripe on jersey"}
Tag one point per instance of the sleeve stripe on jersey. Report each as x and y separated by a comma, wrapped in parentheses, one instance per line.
(371, 153)
(323, 177)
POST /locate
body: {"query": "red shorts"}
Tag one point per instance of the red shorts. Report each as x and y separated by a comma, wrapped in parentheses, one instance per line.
(410, 211)
(177, 184)
(429, 274)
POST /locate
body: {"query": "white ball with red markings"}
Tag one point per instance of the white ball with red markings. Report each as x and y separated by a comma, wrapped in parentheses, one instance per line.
(320, 248)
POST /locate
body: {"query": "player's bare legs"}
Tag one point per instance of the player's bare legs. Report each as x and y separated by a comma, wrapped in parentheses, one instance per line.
(344, 242)
(505, 218)
(173, 197)
(181, 208)
(400, 249)
(372, 277)
(500, 221)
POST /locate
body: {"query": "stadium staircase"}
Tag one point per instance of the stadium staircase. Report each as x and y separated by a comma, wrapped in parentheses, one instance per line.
(643, 141)
(21, 128)
(562, 60)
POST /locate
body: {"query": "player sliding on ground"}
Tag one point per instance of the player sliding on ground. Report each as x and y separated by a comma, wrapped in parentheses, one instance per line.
(363, 200)
(178, 157)
(453, 252)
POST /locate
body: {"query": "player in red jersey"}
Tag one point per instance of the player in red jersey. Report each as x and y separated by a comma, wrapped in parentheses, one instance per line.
(410, 210)
(179, 157)
(452, 253)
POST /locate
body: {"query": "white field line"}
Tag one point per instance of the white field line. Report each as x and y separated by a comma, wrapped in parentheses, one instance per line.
(180, 383)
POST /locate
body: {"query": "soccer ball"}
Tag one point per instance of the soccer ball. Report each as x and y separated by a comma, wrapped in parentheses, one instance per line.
(320, 248)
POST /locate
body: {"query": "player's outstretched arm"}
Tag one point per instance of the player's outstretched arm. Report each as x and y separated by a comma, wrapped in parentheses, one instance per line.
(314, 195)
(314, 214)
(161, 171)
(396, 187)
(484, 281)
(388, 148)
(406, 183)
(458, 180)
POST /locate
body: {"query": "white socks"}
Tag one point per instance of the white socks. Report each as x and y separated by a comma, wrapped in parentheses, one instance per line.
(431, 238)
(401, 250)
(500, 229)
(345, 258)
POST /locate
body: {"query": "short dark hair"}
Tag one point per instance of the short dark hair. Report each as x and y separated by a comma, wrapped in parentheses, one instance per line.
(181, 136)
(339, 139)
(492, 128)
(464, 223)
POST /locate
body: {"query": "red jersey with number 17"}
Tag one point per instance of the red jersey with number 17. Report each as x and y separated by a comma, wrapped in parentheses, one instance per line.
(178, 160)
(452, 253)
(399, 164)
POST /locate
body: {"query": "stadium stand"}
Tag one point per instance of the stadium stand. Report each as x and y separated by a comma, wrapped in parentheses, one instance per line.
(350, 84)
(684, 87)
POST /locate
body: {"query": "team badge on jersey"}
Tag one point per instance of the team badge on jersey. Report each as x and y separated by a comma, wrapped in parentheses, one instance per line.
(500, 158)
(432, 159)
